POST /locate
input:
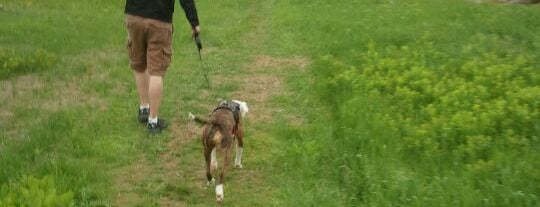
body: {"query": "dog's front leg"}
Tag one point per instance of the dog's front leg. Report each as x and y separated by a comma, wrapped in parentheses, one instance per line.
(239, 147)
(238, 159)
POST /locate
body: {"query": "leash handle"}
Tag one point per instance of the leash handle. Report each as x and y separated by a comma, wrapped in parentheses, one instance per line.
(198, 42)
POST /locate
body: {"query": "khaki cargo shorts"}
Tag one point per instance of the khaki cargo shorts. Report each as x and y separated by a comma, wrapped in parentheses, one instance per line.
(149, 44)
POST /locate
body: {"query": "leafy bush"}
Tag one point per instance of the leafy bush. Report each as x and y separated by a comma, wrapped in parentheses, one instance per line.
(441, 109)
(33, 192)
(478, 118)
(486, 104)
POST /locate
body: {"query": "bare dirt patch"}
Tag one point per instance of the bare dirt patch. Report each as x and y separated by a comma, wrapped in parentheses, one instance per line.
(261, 83)
(19, 86)
(69, 94)
(16, 91)
(182, 135)
(256, 90)
(61, 94)
(131, 174)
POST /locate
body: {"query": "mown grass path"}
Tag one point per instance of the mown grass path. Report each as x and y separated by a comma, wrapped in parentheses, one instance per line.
(173, 175)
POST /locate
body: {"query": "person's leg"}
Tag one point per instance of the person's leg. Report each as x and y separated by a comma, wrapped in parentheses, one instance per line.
(155, 91)
(142, 81)
(159, 58)
(137, 46)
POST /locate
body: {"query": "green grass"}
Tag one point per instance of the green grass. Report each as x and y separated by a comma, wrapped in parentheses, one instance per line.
(69, 103)
(401, 96)
(380, 117)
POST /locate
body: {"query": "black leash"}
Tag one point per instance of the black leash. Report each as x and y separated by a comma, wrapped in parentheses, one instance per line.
(198, 42)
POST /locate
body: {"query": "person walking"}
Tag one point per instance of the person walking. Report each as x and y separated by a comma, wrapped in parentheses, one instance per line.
(149, 45)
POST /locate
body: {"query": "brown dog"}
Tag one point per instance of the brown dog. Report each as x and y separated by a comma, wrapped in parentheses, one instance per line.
(222, 128)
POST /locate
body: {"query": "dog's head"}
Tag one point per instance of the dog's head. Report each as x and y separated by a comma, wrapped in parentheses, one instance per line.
(243, 107)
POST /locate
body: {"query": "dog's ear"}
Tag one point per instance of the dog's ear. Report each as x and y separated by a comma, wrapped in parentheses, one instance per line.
(243, 107)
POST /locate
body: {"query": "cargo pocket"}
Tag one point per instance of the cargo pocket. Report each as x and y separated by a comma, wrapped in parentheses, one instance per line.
(129, 49)
(167, 53)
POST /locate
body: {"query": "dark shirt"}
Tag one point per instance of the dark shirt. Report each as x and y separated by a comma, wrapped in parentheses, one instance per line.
(161, 10)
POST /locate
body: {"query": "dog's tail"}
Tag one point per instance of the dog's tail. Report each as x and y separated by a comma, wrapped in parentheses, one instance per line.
(198, 119)
(203, 120)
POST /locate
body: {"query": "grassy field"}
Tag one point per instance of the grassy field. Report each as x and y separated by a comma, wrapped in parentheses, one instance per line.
(352, 103)
(415, 103)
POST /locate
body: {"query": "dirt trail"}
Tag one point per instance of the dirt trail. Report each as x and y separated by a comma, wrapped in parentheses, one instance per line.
(178, 173)
(176, 177)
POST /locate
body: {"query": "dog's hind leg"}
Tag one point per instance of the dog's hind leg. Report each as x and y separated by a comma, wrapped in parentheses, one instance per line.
(214, 162)
(219, 187)
(207, 157)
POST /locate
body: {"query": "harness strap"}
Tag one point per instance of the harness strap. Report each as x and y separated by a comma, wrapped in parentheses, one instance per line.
(231, 106)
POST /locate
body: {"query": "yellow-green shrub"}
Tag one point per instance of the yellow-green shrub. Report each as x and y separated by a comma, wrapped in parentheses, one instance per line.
(469, 110)
(12, 63)
(29, 191)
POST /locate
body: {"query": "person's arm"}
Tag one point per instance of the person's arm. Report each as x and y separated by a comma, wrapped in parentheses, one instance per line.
(191, 13)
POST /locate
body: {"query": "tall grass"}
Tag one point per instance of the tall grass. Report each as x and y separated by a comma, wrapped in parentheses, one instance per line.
(418, 103)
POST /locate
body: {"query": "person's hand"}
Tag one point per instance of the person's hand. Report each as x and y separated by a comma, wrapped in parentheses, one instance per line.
(195, 31)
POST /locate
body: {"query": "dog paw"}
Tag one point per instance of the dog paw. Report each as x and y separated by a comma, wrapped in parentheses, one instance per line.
(219, 199)
(238, 165)
(219, 193)
(191, 116)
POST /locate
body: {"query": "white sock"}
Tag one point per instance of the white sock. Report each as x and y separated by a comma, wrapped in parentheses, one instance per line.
(238, 160)
(147, 106)
(219, 190)
(152, 120)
